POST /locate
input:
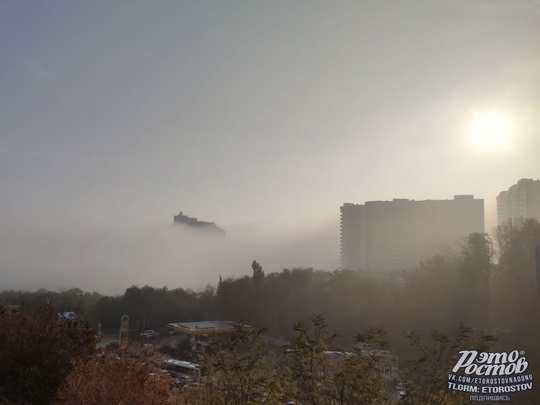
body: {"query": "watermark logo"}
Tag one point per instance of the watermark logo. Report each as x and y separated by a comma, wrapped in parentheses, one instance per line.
(489, 375)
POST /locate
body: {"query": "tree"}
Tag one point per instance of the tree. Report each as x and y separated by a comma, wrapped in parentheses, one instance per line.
(36, 352)
(359, 377)
(110, 380)
(258, 274)
(238, 372)
(515, 294)
(316, 375)
(428, 296)
(473, 280)
(307, 361)
(516, 243)
(425, 376)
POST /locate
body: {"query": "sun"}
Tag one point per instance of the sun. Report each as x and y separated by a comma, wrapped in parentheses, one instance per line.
(491, 131)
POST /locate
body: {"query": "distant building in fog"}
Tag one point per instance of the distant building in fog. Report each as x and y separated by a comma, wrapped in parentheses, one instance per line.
(398, 234)
(522, 200)
(182, 219)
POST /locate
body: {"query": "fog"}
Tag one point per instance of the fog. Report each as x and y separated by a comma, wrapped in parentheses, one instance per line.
(264, 117)
(108, 260)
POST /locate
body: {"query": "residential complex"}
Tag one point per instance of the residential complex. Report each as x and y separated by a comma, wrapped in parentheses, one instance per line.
(394, 235)
(522, 200)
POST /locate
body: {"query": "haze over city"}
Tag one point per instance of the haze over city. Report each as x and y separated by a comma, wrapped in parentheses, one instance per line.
(261, 117)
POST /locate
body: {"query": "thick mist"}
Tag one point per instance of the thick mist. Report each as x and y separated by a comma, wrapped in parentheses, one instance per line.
(110, 259)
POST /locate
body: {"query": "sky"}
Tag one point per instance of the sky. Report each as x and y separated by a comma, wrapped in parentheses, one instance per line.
(264, 117)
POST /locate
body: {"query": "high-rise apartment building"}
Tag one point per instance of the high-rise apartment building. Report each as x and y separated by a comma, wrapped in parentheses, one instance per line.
(522, 200)
(395, 235)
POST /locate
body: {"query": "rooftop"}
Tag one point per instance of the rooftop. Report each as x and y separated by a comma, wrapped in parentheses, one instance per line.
(204, 327)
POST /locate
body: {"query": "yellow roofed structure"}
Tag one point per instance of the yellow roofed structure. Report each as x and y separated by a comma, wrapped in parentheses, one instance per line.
(204, 327)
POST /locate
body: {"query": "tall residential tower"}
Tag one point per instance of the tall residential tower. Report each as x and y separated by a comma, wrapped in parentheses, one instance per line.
(395, 235)
(522, 200)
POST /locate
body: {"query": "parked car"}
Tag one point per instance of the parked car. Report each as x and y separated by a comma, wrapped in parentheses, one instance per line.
(149, 334)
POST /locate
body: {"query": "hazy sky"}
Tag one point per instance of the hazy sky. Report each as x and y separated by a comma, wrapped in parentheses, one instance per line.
(264, 117)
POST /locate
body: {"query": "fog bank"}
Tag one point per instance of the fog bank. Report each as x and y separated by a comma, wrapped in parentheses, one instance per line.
(110, 260)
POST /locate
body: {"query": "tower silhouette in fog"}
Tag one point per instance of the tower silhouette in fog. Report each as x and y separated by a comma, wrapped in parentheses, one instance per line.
(522, 200)
(397, 234)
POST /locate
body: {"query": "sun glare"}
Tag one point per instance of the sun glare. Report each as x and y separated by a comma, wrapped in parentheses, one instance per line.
(491, 131)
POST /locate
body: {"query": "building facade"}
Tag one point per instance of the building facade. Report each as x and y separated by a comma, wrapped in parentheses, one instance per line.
(522, 200)
(398, 234)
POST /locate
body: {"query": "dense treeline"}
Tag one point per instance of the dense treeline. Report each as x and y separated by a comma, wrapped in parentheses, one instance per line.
(488, 285)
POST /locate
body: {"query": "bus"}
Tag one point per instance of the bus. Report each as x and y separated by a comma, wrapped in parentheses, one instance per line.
(183, 372)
